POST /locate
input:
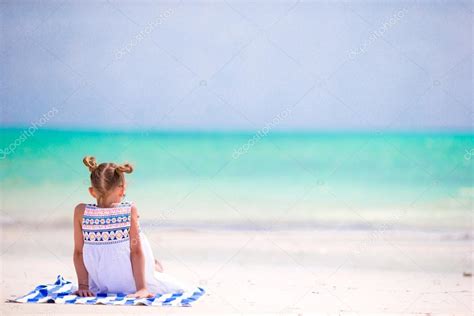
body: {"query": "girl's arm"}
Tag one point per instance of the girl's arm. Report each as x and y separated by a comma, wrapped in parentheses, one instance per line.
(81, 271)
(137, 257)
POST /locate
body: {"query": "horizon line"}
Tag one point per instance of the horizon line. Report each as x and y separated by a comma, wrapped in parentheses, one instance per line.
(459, 131)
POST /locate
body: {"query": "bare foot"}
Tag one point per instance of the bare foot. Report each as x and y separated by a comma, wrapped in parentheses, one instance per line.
(158, 266)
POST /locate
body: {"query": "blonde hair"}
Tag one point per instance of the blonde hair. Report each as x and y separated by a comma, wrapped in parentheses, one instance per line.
(106, 176)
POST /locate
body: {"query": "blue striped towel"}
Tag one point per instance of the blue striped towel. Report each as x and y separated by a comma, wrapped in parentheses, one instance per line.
(60, 293)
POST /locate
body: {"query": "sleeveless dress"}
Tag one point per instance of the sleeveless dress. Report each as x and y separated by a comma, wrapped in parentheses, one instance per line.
(106, 253)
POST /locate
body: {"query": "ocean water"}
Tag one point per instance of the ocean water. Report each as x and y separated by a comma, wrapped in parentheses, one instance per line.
(242, 180)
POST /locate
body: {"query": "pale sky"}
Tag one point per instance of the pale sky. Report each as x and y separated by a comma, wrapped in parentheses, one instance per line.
(237, 65)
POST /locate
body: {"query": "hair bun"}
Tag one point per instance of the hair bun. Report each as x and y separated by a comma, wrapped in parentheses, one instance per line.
(90, 163)
(127, 168)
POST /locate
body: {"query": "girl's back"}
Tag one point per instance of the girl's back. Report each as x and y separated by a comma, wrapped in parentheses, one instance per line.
(107, 248)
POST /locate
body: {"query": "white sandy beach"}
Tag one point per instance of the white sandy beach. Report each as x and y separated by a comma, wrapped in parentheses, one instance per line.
(291, 272)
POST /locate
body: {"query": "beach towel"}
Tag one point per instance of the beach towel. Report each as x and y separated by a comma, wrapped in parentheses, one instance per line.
(60, 293)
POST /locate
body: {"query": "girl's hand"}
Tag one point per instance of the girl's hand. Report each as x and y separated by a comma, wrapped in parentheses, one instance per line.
(143, 293)
(83, 291)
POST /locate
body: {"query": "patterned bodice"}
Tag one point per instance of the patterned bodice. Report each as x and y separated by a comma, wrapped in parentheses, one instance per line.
(106, 225)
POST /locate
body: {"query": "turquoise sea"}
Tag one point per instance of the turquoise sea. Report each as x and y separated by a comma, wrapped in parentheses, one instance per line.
(249, 180)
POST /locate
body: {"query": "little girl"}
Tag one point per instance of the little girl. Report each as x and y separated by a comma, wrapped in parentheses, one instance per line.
(111, 254)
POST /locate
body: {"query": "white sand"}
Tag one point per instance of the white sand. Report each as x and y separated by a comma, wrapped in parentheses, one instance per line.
(323, 272)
